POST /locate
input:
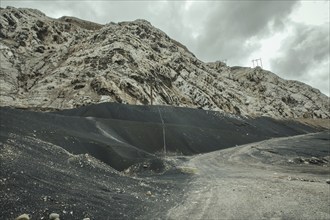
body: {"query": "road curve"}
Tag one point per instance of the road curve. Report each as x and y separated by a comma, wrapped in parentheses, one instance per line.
(245, 183)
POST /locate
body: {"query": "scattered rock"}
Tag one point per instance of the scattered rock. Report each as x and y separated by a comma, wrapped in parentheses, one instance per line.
(24, 217)
(61, 94)
(79, 86)
(40, 49)
(148, 193)
(312, 160)
(54, 216)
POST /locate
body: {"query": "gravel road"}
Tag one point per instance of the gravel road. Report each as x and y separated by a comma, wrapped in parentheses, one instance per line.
(260, 181)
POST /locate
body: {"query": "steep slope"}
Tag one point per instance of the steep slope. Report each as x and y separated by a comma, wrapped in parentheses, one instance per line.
(69, 162)
(67, 62)
(122, 135)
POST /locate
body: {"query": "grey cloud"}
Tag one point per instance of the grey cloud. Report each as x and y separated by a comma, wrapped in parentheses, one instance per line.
(304, 50)
(305, 56)
(97, 11)
(117, 11)
(232, 29)
(56, 8)
(170, 17)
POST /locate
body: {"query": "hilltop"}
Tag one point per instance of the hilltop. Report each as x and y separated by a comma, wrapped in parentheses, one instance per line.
(49, 63)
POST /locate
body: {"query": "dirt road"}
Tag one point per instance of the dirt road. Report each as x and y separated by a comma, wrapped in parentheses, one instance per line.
(260, 181)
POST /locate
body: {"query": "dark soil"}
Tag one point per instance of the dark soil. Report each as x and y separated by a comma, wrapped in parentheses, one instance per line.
(107, 161)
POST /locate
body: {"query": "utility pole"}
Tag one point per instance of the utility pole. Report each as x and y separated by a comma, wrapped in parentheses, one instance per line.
(123, 89)
(151, 81)
(257, 62)
(151, 94)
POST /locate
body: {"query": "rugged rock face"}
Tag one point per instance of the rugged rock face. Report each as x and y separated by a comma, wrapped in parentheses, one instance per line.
(68, 62)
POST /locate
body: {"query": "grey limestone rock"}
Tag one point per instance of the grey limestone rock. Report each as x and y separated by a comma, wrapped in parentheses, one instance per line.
(24, 217)
(63, 63)
(54, 216)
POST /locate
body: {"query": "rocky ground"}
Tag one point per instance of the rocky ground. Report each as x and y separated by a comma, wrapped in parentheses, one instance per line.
(67, 62)
(284, 178)
(39, 178)
(107, 161)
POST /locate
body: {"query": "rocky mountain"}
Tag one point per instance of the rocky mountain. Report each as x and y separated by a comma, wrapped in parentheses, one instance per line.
(49, 63)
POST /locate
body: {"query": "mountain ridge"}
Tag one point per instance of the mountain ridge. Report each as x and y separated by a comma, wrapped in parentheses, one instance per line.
(68, 62)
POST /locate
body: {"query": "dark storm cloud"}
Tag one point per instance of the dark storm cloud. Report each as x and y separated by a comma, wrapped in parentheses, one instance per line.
(232, 29)
(305, 56)
(306, 48)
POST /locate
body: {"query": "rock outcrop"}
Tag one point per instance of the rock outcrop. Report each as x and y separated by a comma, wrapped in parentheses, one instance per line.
(68, 62)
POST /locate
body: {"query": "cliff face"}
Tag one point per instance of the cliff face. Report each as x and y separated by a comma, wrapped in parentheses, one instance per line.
(67, 62)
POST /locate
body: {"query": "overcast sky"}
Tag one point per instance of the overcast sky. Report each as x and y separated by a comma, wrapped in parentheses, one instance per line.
(291, 37)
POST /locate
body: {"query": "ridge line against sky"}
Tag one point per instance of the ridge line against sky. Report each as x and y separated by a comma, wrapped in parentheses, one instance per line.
(291, 37)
